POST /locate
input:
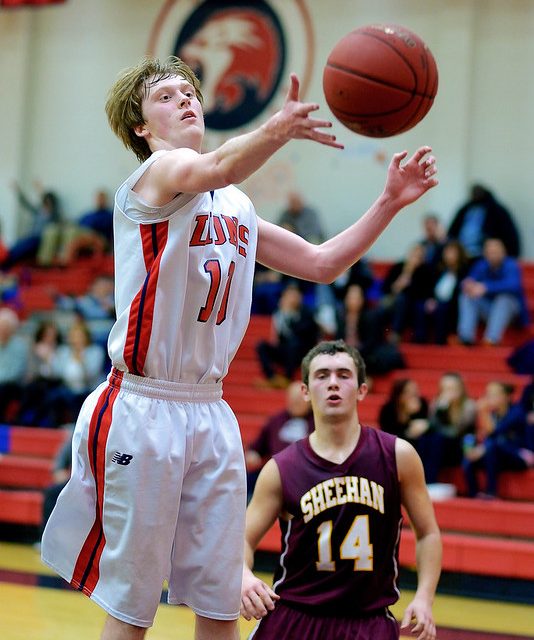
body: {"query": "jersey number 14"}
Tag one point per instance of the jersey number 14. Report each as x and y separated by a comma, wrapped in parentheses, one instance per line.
(355, 546)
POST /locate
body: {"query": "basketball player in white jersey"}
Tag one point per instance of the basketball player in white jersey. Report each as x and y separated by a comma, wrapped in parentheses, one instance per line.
(158, 485)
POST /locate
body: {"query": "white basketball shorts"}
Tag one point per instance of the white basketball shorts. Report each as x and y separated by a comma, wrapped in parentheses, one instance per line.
(158, 491)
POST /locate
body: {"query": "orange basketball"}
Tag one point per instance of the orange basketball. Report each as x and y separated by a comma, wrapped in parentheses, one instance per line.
(380, 80)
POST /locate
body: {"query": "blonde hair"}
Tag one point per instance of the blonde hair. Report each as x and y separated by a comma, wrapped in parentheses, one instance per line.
(125, 98)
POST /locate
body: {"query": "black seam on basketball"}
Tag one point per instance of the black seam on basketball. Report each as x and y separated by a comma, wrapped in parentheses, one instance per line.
(381, 81)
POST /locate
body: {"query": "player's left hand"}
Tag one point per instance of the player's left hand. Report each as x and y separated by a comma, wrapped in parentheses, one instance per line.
(420, 612)
(257, 598)
(409, 181)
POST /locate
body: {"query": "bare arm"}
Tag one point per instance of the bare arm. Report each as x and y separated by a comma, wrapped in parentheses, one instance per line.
(416, 501)
(186, 171)
(257, 598)
(288, 253)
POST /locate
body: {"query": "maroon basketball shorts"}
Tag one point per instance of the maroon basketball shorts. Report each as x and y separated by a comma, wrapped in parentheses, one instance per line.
(285, 623)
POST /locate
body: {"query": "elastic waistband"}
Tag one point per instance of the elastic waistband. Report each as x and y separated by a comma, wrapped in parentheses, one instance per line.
(164, 389)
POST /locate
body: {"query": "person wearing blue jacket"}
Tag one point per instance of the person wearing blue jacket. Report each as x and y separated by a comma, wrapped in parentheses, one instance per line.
(492, 292)
(501, 441)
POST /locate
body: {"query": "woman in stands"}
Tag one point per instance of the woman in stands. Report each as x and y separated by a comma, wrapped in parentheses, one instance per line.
(405, 414)
(452, 415)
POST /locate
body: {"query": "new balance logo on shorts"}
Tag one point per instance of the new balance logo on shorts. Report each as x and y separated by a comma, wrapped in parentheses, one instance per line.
(121, 458)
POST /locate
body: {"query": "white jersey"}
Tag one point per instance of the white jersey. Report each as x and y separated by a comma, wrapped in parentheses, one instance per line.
(184, 276)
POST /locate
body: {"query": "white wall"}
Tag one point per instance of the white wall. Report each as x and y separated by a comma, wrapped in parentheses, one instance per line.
(58, 63)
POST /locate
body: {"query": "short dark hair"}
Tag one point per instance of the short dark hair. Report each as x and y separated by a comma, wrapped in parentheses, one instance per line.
(330, 348)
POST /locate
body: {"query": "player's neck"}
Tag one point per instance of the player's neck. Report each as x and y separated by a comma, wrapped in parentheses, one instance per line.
(335, 441)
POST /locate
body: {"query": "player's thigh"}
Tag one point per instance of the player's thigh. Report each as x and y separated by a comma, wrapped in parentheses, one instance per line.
(208, 551)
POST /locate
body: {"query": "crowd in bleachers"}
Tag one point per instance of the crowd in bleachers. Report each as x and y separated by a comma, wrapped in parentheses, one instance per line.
(448, 283)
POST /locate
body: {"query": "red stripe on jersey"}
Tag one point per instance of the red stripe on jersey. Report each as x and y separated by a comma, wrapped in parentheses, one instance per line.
(87, 570)
(153, 239)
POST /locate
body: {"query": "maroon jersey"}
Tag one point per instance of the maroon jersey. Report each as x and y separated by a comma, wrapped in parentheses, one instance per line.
(340, 548)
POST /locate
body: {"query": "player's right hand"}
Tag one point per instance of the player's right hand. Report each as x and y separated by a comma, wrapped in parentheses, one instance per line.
(293, 121)
(257, 598)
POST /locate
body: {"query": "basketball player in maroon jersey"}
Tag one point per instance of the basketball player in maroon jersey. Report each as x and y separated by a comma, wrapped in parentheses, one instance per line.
(338, 495)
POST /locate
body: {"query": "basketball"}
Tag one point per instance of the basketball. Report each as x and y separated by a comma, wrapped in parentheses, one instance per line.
(380, 80)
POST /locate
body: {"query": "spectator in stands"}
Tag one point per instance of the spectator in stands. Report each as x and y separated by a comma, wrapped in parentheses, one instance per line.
(45, 215)
(294, 332)
(500, 442)
(305, 222)
(301, 219)
(527, 405)
(79, 365)
(405, 414)
(13, 362)
(439, 312)
(493, 292)
(406, 283)
(96, 307)
(40, 377)
(266, 290)
(363, 328)
(93, 232)
(281, 429)
(452, 415)
(434, 238)
(483, 217)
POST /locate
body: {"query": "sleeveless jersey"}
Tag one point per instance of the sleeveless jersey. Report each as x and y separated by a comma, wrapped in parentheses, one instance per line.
(340, 549)
(183, 276)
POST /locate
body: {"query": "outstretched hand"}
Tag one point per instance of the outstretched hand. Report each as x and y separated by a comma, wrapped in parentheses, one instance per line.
(293, 121)
(407, 182)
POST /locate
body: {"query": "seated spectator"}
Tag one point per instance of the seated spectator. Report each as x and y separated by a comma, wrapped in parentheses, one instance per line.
(294, 332)
(434, 238)
(527, 406)
(329, 297)
(405, 414)
(40, 378)
(364, 329)
(360, 274)
(483, 217)
(301, 219)
(521, 360)
(45, 215)
(96, 307)
(440, 311)
(500, 443)
(266, 290)
(13, 362)
(281, 429)
(79, 366)
(452, 415)
(93, 232)
(493, 292)
(406, 283)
